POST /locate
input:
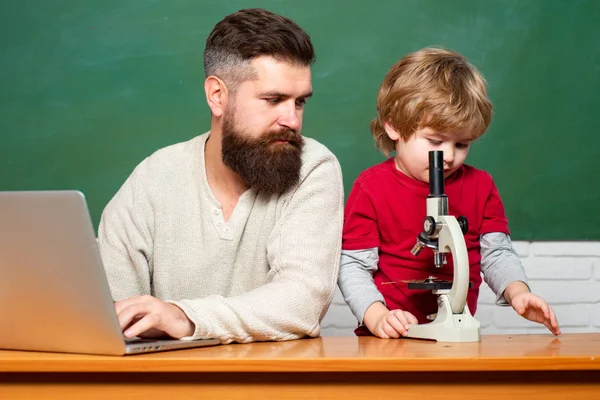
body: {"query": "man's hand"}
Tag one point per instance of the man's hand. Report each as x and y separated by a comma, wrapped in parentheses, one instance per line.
(149, 317)
(388, 324)
(530, 306)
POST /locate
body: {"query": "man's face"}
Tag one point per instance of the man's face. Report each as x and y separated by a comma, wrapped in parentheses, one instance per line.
(262, 125)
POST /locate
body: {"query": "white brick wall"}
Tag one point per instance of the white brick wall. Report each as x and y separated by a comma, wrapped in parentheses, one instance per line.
(565, 274)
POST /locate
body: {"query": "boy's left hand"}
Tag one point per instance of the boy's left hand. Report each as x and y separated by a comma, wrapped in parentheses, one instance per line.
(535, 309)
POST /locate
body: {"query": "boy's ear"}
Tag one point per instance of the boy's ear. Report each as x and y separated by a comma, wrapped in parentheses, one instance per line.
(391, 131)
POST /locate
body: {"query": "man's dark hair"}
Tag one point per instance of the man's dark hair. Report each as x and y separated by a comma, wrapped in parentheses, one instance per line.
(247, 34)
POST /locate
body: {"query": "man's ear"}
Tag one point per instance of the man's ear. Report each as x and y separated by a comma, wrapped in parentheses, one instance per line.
(391, 131)
(216, 95)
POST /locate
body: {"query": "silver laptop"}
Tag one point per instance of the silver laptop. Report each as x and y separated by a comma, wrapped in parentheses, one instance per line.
(54, 295)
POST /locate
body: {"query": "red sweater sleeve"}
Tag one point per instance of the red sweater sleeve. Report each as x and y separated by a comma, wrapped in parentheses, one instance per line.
(494, 217)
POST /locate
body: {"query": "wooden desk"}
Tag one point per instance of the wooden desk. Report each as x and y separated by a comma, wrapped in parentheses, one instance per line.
(500, 366)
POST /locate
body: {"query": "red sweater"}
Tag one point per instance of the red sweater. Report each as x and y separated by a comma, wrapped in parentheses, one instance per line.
(386, 210)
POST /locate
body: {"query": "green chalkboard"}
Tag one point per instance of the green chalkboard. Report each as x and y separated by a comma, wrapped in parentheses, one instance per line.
(89, 88)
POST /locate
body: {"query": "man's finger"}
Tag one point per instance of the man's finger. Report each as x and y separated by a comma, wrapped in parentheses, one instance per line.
(141, 326)
(127, 315)
(122, 304)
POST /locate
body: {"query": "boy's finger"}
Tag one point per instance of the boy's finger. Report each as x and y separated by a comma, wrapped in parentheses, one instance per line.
(397, 324)
(554, 330)
(380, 333)
(412, 320)
(546, 309)
(399, 315)
(390, 330)
(554, 322)
(404, 318)
(553, 319)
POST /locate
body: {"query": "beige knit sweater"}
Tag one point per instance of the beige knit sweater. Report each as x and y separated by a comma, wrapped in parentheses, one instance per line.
(268, 273)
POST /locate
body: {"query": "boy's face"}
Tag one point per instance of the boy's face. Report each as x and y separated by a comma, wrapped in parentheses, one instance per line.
(412, 156)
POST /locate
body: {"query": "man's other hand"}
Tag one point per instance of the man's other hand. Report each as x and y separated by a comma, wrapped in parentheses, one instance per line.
(149, 317)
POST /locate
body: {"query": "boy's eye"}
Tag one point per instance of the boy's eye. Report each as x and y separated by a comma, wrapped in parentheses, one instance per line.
(435, 142)
(462, 145)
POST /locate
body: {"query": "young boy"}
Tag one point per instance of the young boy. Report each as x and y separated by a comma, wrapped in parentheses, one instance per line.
(432, 99)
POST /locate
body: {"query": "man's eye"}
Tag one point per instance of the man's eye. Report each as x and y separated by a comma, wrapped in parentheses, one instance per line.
(300, 103)
(273, 100)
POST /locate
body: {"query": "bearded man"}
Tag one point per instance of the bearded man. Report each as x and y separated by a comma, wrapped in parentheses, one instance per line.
(236, 233)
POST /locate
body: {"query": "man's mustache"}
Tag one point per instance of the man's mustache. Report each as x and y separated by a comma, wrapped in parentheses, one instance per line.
(289, 135)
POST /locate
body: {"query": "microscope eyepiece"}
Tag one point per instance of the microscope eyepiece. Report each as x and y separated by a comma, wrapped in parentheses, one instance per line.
(436, 173)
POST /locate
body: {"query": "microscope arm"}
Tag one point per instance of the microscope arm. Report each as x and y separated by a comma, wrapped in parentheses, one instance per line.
(451, 240)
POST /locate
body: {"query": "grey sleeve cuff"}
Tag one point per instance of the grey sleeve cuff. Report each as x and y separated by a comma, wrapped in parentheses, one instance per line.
(356, 280)
(500, 264)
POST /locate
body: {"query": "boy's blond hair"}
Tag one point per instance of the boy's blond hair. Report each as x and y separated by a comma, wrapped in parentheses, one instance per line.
(434, 88)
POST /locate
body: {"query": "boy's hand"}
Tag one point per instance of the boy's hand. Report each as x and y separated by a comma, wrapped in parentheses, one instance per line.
(535, 309)
(388, 324)
(530, 306)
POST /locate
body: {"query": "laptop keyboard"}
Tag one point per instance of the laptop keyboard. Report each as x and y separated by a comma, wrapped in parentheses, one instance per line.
(139, 340)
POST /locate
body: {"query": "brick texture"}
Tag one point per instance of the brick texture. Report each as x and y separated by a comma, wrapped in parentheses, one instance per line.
(565, 274)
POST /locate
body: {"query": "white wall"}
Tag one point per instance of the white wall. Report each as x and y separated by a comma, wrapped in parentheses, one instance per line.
(565, 274)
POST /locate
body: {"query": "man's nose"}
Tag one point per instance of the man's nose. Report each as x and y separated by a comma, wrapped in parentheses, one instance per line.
(290, 117)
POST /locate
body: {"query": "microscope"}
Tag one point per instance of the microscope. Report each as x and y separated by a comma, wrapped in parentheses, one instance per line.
(444, 233)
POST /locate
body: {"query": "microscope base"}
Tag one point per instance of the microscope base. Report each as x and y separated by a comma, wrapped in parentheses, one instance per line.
(448, 327)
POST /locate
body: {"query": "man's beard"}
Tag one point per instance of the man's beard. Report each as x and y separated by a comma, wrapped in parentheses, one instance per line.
(261, 162)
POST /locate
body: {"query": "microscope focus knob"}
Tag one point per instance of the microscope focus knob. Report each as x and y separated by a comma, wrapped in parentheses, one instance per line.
(430, 226)
(464, 224)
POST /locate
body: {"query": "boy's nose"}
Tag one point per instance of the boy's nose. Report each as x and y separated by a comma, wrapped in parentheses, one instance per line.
(449, 155)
